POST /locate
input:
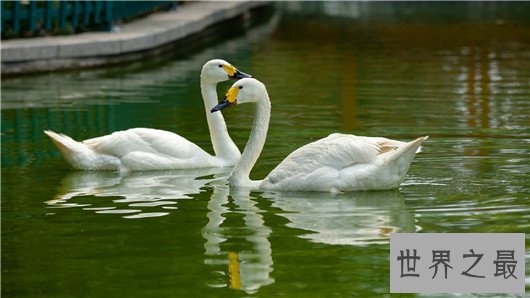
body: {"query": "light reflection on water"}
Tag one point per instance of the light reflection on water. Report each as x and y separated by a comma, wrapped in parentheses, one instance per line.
(361, 68)
(133, 190)
(249, 269)
(359, 218)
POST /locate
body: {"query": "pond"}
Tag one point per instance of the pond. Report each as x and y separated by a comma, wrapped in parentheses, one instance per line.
(458, 72)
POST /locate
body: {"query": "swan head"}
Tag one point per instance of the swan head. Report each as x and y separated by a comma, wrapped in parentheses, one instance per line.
(243, 91)
(218, 70)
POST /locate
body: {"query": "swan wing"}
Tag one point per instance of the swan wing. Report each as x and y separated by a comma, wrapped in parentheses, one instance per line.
(320, 163)
(145, 140)
(335, 151)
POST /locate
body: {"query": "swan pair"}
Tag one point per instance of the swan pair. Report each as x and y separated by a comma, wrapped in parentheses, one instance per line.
(336, 163)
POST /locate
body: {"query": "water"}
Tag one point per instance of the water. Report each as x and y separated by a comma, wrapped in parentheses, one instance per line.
(458, 72)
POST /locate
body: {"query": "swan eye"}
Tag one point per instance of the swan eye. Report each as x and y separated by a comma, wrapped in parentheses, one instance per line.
(220, 66)
(240, 87)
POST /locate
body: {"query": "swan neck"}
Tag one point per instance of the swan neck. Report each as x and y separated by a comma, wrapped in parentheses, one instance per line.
(241, 172)
(223, 145)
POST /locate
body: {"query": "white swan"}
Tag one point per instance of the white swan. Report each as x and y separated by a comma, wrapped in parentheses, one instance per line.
(336, 163)
(139, 149)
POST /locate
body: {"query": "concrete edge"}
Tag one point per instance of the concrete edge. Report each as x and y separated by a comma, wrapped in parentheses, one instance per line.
(95, 48)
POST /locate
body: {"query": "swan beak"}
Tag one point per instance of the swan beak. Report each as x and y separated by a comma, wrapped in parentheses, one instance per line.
(234, 73)
(222, 105)
(230, 99)
(240, 75)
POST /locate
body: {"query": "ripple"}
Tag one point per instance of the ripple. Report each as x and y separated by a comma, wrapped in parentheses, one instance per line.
(69, 205)
(99, 208)
(485, 210)
(150, 189)
(147, 215)
(152, 204)
(118, 211)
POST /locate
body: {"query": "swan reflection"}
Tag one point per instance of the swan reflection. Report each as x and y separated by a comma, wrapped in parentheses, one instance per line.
(136, 194)
(355, 218)
(237, 248)
(248, 264)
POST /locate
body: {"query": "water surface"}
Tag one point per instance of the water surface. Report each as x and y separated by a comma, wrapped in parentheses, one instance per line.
(458, 72)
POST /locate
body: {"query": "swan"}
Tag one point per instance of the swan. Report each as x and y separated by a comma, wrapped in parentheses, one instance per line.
(337, 163)
(140, 149)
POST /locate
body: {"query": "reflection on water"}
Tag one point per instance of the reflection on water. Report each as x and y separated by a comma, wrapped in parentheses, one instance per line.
(135, 194)
(488, 92)
(457, 71)
(140, 193)
(133, 83)
(357, 218)
(250, 269)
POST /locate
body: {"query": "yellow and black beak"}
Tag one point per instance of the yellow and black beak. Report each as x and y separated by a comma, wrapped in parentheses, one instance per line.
(240, 75)
(234, 73)
(221, 106)
(230, 99)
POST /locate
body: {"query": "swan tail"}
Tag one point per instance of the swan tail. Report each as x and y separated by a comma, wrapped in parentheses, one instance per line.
(406, 151)
(64, 143)
(397, 162)
(402, 157)
(77, 154)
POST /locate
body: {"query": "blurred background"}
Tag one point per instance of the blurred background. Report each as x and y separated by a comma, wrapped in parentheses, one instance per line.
(456, 71)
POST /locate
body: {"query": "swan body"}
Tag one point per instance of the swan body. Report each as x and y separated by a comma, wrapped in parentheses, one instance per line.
(342, 162)
(337, 163)
(140, 149)
(135, 149)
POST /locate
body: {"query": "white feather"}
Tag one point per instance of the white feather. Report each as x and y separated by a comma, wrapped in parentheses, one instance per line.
(336, 163)
(152, 149)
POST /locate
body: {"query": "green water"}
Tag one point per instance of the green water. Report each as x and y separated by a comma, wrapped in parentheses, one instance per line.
(458, 72)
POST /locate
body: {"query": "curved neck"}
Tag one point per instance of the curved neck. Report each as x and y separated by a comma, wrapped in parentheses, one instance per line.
(240, 173)
(223, 145)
